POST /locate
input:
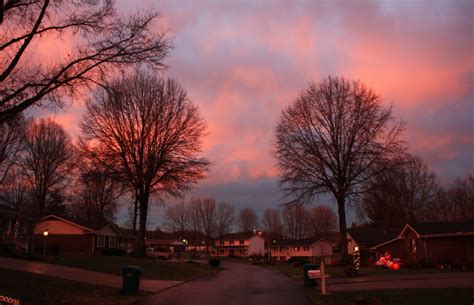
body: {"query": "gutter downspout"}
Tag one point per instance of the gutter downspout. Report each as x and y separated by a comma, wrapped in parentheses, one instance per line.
(426, 250)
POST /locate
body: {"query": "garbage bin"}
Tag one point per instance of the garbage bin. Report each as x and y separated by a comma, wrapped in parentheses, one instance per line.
(309, 282)
(130, 279)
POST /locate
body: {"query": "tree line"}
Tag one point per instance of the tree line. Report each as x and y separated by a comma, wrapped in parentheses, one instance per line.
(213, 219)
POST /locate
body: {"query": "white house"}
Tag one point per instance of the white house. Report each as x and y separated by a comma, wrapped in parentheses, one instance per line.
(310, 249)
(241, 244)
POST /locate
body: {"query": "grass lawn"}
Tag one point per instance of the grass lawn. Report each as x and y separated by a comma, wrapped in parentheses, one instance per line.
(336, 271)
(34, 289)
(445, 296)
(151, 269)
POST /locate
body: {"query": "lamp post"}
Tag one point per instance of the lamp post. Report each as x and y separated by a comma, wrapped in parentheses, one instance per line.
(45, 235)
(357, 258)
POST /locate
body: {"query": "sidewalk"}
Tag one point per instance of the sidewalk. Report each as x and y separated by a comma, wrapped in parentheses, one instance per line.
(81, 275)
(403, 281)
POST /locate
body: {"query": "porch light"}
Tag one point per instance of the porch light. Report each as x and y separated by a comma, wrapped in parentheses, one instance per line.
(45, 233)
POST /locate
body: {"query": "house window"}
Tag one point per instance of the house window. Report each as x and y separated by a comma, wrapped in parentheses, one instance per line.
(112, 241)
(413, 246)
(100, 241)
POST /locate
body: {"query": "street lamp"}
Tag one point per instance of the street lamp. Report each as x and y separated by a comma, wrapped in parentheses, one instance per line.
(45, 234)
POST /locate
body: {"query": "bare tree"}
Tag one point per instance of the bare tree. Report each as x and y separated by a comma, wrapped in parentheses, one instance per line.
(15, 191)
(46, 161)
(329, 139)
(405, 194)
(247, 220)
(178, 217)
(323, 220)
(207, 211)
(146, 131)
(296, 220)
(272, 224)
(225, 218)
(12, 137)
(102, 42)
(457, 202)
(96, 195)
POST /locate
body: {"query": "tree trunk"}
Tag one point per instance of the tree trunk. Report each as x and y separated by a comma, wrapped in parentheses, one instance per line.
(341, 209)
(143, 200)
(134, 220)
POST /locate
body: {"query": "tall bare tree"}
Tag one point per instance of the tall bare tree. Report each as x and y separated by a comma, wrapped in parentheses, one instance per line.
(46, 161)
(329, 139)
(206, 209)
(96, 195)
(178, 217)
(146, 131)
(12, 138)
(101, 42)
(456, 203)
(225, 218)
(405, 194)
(247, 220)
(272, 224)
(296, 220)
(323, 220)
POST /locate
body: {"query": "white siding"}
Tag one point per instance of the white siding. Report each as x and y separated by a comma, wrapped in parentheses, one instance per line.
(256, 245)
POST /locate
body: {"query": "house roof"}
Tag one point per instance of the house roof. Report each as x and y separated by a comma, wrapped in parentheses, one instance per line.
(433, 228)
(238, 235)
(294, 242)
(83, 224)
(368, 237)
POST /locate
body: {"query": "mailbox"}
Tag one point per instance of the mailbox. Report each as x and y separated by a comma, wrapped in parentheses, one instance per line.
(314, 274)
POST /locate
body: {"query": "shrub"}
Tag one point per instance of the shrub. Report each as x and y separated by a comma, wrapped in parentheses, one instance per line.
(350, 270)
(214, 262)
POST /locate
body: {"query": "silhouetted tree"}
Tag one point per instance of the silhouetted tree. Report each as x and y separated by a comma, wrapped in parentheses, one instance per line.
(456, 203)
(405, 194)
(178, 217)
(146, 131)
(95, 199)
(247, 220)
(206, 210)
(329, 139)
(12, 137)
(101, 42)
(272, 224)
(296, 220)
(323, 220)
(46, 161)
(225, 218)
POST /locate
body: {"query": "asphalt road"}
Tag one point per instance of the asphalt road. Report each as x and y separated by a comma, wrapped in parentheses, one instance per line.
(238, 284)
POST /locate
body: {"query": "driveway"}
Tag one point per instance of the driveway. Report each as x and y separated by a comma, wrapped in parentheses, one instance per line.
(237, 284)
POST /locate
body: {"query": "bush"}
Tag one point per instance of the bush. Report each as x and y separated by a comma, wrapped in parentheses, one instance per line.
(350, 270)
(113, 252)
(214, 262)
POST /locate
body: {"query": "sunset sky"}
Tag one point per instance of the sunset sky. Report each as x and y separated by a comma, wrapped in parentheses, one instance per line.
(242, 62)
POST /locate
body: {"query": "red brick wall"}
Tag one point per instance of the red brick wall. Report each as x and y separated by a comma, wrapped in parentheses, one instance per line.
(79, 244)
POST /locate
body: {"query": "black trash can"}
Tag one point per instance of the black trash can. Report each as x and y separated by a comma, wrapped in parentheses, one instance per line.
(130, 279)
(308, 282)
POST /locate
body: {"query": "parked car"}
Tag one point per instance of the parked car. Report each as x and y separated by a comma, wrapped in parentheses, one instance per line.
(158, 253)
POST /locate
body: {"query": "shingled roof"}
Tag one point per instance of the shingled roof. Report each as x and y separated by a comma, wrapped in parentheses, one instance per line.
(434, 228)
(368, 237)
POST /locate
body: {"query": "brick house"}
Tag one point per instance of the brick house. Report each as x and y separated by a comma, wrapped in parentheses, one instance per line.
(241, 244)
(312, 250)
(73, 236)
(364, 239)
(433, 243)
(167, 245)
